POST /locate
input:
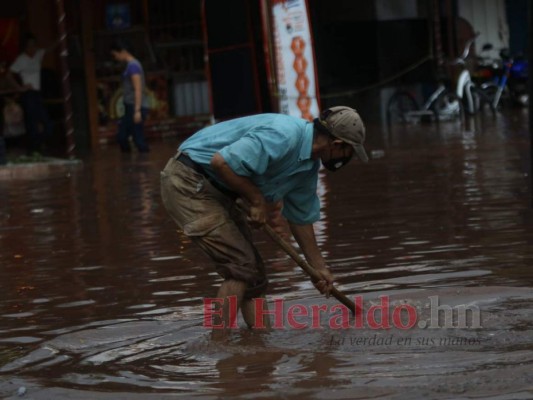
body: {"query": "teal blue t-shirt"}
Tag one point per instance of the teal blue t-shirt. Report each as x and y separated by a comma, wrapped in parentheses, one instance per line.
(273, 151)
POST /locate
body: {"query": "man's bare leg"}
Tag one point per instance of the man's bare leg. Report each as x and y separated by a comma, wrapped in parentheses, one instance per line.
(248, 312)
(228, 288)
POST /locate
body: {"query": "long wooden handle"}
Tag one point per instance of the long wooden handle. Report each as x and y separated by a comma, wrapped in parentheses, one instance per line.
(306, 267)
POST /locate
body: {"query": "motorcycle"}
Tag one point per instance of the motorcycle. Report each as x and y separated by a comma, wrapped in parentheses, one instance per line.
(503, 80)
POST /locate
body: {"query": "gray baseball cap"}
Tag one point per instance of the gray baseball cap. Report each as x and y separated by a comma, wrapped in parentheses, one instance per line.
(345, 123)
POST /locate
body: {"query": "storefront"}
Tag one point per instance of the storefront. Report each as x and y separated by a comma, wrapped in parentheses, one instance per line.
(165, 35)
(211, 60)
(260, 59)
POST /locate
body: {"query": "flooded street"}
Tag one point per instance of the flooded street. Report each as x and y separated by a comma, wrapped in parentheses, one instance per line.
(101, 297)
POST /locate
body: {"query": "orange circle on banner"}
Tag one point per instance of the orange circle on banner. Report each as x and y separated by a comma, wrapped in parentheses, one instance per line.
(302, 84)
(300, 64)
(307, 116)
(304, 103)
(298, 45)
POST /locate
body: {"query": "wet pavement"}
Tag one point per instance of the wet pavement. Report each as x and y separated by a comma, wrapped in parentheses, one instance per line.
(101, 297)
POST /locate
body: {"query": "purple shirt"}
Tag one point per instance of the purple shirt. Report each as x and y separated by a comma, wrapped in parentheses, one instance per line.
(133, 67)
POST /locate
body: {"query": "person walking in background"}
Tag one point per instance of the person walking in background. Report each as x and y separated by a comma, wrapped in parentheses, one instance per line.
(28, 67)
(135, 100)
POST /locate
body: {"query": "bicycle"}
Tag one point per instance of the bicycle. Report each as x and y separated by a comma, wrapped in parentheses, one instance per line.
(442, 104)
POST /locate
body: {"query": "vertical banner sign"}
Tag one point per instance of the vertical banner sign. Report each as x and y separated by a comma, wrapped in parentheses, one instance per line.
(295, 63)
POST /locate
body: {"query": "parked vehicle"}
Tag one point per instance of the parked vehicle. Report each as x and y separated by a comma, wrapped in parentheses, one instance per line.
(503, 80)
(443, 104)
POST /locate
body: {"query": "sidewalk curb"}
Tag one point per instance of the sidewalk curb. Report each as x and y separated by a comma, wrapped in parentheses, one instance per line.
(37, 170)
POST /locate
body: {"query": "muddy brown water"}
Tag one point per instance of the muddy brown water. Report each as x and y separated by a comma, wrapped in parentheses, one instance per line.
(101, 298)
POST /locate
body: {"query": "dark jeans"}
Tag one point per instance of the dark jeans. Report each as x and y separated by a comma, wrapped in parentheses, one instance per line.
(35, 113)
(127, 127)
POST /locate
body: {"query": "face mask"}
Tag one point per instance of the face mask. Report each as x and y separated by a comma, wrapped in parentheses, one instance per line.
(333, 164)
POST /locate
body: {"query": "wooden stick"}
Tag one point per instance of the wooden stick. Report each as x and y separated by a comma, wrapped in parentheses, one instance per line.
(309, 270)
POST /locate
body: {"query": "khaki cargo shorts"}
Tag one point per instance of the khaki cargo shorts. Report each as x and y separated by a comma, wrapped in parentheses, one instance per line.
(211, 220)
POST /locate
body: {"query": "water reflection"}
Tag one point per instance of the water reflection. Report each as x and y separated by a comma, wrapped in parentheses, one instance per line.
(96, 281)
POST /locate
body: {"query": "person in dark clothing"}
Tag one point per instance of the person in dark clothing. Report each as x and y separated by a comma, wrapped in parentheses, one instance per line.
(28, 66)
